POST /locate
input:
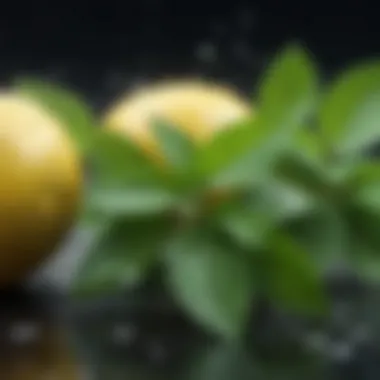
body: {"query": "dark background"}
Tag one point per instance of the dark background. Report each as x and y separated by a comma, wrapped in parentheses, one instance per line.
(101, 48)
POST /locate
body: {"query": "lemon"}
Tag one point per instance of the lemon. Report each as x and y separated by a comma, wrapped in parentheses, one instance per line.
(198, 108)
(40, 185)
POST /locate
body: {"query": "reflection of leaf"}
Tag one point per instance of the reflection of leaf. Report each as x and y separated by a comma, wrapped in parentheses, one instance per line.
(228, 362)
(122, 257)
(224, 362)
(350, 113)
(214, 286)
(291, 278)
(66, 105)
(298, 370)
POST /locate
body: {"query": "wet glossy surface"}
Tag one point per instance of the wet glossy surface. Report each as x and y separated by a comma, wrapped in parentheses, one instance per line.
(37, 352)
(117, 341)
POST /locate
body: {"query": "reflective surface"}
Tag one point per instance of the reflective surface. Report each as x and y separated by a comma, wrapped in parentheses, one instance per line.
(39, 342)
(117, 341)
(36, 351)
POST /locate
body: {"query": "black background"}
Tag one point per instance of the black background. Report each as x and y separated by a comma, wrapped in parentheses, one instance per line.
(103, 47)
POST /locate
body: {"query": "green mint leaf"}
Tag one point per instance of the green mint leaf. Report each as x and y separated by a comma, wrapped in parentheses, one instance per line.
(363, 173)
(287, 97)
(366, 262)
(121, 257)
(288, 92)
(251, 220)
(364, 223)
(368, 197)
(176, 147)
(292, 279)
(305, 174)
(325, 236)
(363, 183)
(350, 112)
(284, 201)
(246, 227)
(214, 286)
(229, 145)
(118, 161)
(308, 146)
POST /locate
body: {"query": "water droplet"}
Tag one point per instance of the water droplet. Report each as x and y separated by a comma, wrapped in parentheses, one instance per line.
(157, 352)
(124, 334)
(218, 29)
(361, 333)
(241, 51)
(23, 333)
(317, 341)
(206, 52)
(341, 351)
(246, 19)
(115, 81)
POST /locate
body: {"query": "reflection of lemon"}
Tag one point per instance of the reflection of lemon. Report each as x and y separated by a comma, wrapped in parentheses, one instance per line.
(40, 181)
(47, 357)
(200, 109)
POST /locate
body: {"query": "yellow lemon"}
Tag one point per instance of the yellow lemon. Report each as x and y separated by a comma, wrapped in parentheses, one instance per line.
(40, 185)
(199, 108)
